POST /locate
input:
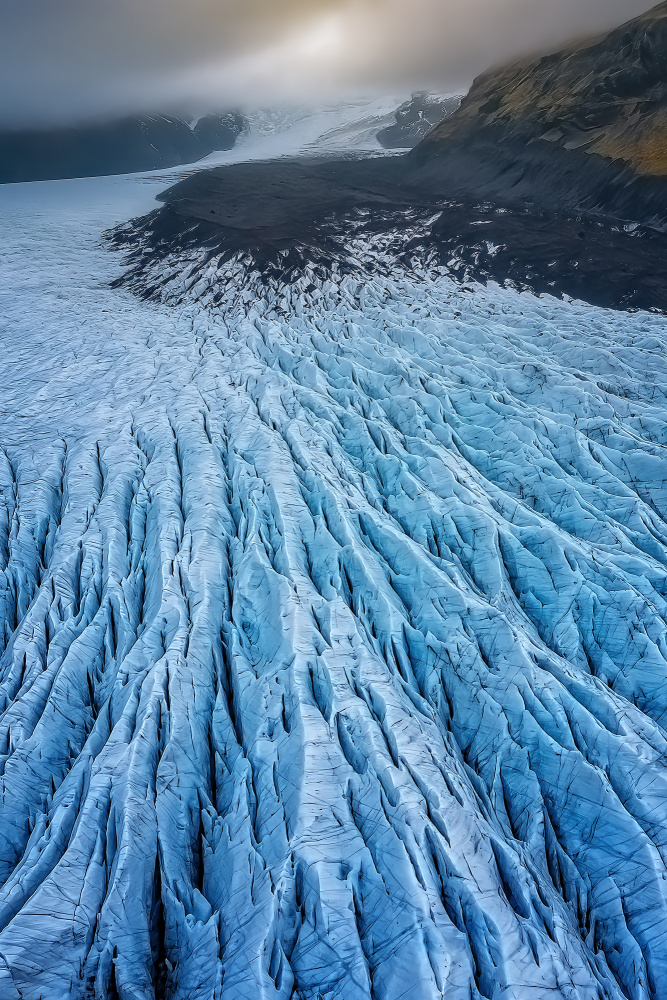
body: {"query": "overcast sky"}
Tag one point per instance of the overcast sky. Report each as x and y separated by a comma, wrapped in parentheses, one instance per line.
(65, 60)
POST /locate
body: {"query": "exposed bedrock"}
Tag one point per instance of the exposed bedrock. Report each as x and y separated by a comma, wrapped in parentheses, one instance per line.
(584, 129)
(220, 131)
(415, 119)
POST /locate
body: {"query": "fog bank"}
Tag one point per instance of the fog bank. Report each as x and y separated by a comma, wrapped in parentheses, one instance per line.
(80, 59)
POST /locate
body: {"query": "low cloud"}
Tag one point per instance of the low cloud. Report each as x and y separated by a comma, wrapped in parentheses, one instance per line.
(73, 60)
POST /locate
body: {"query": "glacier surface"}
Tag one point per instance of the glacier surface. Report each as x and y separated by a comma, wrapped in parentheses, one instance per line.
(333, 631)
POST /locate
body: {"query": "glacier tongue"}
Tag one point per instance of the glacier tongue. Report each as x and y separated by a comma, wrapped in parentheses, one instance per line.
(334, 645)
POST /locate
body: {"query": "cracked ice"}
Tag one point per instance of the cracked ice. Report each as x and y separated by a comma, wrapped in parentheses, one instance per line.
(334, 644)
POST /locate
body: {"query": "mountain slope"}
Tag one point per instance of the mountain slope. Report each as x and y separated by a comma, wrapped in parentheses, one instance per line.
(608, 96)
(147, 142)
(582, 128)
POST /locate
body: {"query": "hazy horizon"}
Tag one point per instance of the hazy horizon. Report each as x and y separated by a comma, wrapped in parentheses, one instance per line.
(91, 59)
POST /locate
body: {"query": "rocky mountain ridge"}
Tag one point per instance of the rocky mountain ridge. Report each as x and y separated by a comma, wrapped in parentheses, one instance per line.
(607, 96)
(583, 129)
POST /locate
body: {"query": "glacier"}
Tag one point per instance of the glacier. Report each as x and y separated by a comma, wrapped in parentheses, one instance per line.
(333, 617)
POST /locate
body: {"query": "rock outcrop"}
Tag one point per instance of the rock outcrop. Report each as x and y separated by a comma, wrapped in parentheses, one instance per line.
(220, 131)
(415, 119)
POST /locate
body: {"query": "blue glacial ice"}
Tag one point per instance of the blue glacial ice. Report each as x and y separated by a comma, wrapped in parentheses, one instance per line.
(333, 628)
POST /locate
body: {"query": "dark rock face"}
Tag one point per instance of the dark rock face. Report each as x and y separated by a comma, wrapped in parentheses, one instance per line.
(415, 119)
(584, 129)
(149, 142)
(219, 132)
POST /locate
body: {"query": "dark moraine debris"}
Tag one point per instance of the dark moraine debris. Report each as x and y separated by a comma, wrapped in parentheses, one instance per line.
(581, 256)
(288, 199)
(284, 213)
(292, 213)
(552, 175)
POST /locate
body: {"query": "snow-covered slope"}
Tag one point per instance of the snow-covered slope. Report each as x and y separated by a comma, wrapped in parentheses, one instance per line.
(334, 633)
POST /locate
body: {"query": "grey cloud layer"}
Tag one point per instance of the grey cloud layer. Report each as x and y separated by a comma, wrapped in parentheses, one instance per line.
(83, 58)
